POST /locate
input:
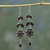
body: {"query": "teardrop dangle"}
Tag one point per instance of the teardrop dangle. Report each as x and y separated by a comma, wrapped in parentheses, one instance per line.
(20, 44)
(20, 27)
(29, 42)
(30, 24)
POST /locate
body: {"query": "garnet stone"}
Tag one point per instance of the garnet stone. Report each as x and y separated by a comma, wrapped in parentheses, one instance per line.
(20, 45)
(29, 43)
(29, 23)
(20, 17)
(29, 16)
(20, 24)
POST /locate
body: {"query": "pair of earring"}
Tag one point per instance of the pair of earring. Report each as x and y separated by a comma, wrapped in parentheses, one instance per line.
(20, 27)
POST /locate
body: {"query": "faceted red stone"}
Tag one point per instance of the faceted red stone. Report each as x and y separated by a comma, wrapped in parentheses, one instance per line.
(29, 43)
(29, 16)
(20, 17)
(32, 24)
(29, 23)
(20, 45)
(20, 24)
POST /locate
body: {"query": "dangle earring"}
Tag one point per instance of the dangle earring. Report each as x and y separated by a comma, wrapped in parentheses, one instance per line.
(29, 31)
(20, 27)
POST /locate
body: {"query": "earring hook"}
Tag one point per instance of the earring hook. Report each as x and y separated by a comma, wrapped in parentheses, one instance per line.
(19, 10)
(29, 9)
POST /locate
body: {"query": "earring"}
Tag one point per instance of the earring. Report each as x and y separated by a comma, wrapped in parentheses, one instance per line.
(29, 31)
(20, 27)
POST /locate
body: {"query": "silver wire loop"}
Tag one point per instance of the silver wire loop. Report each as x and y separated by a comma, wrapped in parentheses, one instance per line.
(29, 9)
(19, 10)
(20, 40)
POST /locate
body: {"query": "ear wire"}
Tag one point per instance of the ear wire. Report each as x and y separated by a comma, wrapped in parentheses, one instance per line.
(19, 10)
(29, 10)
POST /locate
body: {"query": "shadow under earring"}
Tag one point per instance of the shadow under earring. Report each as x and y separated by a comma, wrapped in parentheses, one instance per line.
(20, 27)
(30, 24)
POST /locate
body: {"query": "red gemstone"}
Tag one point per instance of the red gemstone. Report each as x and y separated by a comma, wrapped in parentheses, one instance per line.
(29, 43)
(20, 45)
(29, 16)
(32, 24)
(20, 24)
(20, 17)
(29, 23)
